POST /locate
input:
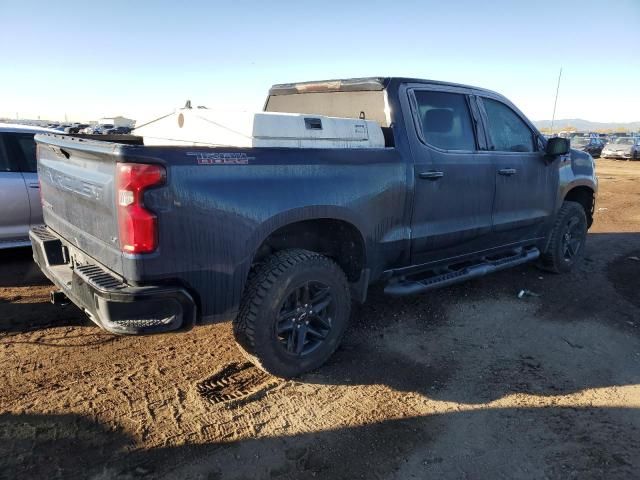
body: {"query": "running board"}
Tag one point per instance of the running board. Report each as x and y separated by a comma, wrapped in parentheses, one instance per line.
(485, 266)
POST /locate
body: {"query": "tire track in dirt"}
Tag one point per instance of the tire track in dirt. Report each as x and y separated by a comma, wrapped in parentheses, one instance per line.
(236, 384)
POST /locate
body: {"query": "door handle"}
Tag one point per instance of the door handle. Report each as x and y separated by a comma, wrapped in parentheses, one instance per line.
(34, 185)
(431, 175)
(507, 171)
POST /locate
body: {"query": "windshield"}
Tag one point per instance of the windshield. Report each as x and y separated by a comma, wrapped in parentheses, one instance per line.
(623, 141)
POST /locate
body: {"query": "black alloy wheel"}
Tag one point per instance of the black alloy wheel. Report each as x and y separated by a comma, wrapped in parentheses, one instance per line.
(305, 319)
(567, 240)
(293, 313)
(572, 239)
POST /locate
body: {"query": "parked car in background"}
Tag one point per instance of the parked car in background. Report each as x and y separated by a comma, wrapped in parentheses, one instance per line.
(118, 131)
(75, 128)
(19, 188)
(592, 145)
(102, 129)
(626, 148)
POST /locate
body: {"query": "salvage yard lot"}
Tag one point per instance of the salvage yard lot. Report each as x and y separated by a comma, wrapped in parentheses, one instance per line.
(465, 382)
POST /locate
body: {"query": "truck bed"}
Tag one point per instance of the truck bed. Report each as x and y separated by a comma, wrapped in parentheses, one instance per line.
(216, 207)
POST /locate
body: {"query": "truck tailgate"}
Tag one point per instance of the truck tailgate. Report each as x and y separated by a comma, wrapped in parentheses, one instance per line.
(78, 194)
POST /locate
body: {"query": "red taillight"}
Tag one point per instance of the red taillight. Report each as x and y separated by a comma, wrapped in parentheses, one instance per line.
(137, 226)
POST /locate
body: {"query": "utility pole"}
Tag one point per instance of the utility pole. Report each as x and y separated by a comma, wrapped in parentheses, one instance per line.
(553, 117)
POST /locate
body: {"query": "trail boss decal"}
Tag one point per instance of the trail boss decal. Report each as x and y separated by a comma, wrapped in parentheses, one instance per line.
(220, 158)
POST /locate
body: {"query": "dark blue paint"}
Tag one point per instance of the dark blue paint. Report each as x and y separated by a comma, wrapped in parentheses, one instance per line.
(213, 218)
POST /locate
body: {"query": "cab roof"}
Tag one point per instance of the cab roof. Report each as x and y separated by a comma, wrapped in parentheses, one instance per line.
(357, 84)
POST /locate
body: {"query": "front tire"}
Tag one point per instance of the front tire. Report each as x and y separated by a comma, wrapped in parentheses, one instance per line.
(568, 238)
(293, 313)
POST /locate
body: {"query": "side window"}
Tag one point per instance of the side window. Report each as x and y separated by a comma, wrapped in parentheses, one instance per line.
(508, 132)
(22, 148)
(445, 120)
(6, 165)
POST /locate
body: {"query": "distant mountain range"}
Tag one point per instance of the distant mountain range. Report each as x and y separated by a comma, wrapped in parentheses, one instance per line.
(586, 125)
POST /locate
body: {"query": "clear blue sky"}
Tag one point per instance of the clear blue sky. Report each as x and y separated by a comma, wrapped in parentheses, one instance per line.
(141, 58)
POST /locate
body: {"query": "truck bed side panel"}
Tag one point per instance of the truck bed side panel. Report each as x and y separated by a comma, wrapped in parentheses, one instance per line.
(214, 216)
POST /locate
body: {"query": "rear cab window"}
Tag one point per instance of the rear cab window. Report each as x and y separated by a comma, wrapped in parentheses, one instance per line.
(368, 104)
(362, 99)
(21, 147)
(444, 120)
(8, 162)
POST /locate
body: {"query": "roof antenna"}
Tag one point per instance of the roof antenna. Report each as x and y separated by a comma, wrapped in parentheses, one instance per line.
(553, 117)
(188, 104)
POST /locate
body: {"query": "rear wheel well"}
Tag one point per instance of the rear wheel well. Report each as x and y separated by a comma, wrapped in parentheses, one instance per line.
(584, 196)
(336, 239)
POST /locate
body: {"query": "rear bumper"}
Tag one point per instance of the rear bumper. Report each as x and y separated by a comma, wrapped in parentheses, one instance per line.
(108, 301)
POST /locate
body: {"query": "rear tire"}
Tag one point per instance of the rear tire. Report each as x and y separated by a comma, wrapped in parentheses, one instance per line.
(293, 313)
(568, 238)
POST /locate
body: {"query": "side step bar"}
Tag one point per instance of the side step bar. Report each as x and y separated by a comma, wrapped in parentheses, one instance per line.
(404, 286)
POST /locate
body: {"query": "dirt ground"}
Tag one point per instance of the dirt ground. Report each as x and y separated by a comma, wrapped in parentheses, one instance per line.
(468, 382)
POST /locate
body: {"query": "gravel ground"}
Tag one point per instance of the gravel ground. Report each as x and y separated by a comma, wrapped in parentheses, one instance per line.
(465, 382)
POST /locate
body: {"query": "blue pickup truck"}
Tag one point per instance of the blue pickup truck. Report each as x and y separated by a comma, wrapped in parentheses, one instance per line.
(281, 241)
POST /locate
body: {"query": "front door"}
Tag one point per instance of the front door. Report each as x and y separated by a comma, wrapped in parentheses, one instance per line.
(22, 148)
(454, 186)
(526, 184)
(14, 200)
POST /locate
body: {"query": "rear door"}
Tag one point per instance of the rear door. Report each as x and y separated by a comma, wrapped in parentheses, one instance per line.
(22, 147)
(526, 185)
(454, 186)
(14, 200)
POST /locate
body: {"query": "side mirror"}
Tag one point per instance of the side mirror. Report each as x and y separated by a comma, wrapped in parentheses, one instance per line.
(557, 146)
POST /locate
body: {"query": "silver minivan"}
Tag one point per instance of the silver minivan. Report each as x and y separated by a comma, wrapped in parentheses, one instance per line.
(19, 189)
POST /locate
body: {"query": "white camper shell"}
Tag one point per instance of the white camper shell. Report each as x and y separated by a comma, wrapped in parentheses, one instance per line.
(203, 127)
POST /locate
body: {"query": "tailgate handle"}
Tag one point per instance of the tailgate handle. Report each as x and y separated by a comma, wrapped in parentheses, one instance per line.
(507, 171)
(60, 151)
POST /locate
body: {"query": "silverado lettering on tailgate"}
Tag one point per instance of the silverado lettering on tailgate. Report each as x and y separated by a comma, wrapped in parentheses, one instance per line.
(69, 183)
